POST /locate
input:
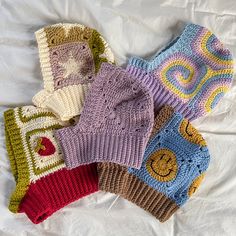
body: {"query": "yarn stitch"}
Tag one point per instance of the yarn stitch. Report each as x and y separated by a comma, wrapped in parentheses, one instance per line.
(115, 123)
(173, 159)
(43, 184)
(191, 74)
(173, 167)
(70, 55)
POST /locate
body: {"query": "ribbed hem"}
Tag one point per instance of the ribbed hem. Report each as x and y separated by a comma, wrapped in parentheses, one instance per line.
(36, 207)
(141, 64)
(45, 59)
(65, 103)
(114, 178)
(40, 98)
(148, 198)
(17, 158)
(161, 96)
(54, 191)
(86, 148)
(111, 177)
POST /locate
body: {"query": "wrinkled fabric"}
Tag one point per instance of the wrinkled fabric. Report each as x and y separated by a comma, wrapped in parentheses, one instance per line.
(137, 28)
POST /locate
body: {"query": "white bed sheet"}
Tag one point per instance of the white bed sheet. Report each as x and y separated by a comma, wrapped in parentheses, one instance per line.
(133, 27)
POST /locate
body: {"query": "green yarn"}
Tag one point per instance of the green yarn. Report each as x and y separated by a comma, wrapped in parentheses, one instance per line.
(11, 156)
(17, 155)
(17, 160)
(97, 47)
(25, 119)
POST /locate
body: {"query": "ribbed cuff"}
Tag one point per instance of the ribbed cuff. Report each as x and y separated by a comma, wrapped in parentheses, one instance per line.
(17, 159)
(149, 199)
(139, 63)
(116, 179)
(40, 99)
(45, 59)
(84, 148)
(66, 102)
(35, 206)
(161, 96)
(54, 191)
(111, 177)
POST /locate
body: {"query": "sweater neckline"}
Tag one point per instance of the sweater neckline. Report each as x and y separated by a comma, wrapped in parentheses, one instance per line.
(181, 42)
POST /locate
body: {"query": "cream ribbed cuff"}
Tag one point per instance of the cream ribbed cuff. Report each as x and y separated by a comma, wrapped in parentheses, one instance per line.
(65, 103)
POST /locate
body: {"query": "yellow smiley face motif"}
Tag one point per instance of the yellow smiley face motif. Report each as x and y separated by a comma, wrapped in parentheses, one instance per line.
(191, 134)
(195, 184)
(162, 165)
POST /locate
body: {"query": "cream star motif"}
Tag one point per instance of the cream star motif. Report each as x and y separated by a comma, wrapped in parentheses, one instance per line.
(71, 66)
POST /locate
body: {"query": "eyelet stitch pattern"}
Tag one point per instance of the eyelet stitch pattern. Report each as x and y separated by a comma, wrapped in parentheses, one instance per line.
(112, 116)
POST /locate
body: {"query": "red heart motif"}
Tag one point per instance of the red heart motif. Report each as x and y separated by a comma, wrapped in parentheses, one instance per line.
(45, 147)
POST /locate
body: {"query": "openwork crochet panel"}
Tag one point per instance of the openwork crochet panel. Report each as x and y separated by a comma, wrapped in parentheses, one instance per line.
(117, 103)
(191, 74)
(115, 123)
(174, 165)
(70, 56)
(43, 184)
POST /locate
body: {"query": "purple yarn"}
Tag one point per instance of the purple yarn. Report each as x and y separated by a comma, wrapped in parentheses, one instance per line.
(115, 123)
(191, 74)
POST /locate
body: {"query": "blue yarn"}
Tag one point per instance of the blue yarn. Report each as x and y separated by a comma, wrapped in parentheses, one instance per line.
(217, 53)
(192, 160)
(207, 85)
(187, 49)
(216, 100)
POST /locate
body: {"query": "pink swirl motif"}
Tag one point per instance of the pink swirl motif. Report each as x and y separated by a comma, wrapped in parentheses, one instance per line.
(181, 75)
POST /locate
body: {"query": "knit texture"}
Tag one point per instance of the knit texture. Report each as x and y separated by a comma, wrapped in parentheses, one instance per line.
(70, 55)
(173, 167)
(43, 184)
(115, 123)
(191, 74)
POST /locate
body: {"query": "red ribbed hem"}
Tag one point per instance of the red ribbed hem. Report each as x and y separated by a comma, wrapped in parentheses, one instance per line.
(54, 191)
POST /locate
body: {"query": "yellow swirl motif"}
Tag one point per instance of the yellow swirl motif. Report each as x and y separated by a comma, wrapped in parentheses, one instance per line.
(210, 73)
